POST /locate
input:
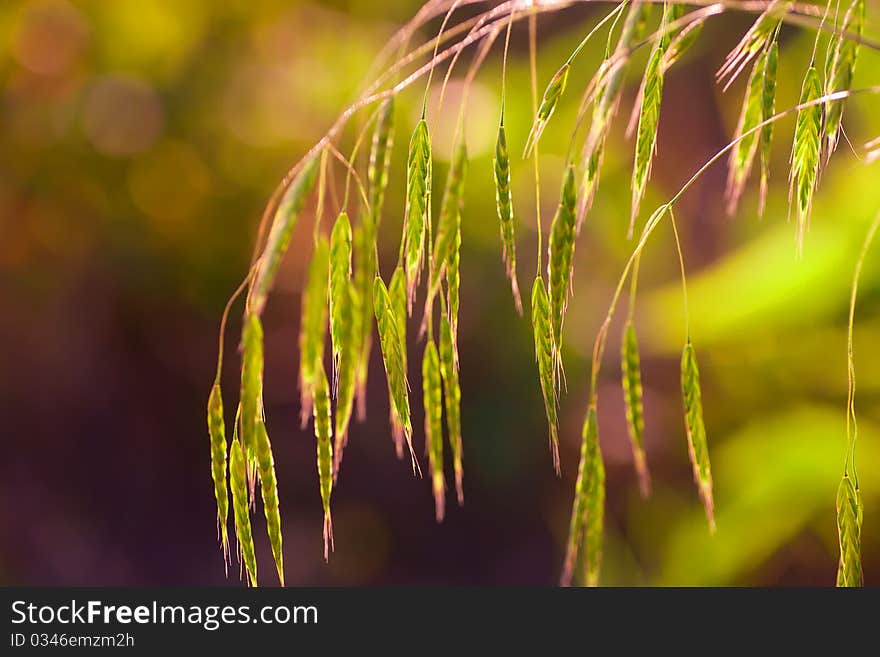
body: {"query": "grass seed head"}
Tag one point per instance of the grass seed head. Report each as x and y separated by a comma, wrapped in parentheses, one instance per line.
(324, 435)
(849, 528)
(313, 325)
(548, 105)
(698, 446)
(341, 311)
(251, 383)
(632, 396)
(239, 485)
(452, 401)
(649, 121)
(432, 392)
(347, 377)
(286, 216)
(545, 355)
(447, 225)
(504, 205)
(769, 109)
(393, 357)
(805, 152)
(594, 506)
(269, 491)
(840, 66)
(380, 159)
(742, 156)
(217, 433)
(418, 207)
(560, 258)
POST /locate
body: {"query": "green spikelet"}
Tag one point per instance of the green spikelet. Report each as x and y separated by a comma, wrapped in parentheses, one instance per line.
(632, 397)
(324, 436)
(433, 399)
(769, 109)
(380, 159)
(341, 311)
(849, 528)
(452, 401)
(397, 295)
(453, 282)
(560, 258)
(347, 373)
(805, 152)
(595, 507)
(742, 156)
(698, 446)
(548, 105)
(754, 41)
(840, 66)
(239, 485)
(608, 98)
(364, 275)
(269, 490)
(447, 225)
(546, 358)
(251, 383)
(291, 206)
(418, 207)
(313, 325)
(682, 43)
(394, 360)
(217, 433)
(649, 119)
(587, 512)
(504, 205)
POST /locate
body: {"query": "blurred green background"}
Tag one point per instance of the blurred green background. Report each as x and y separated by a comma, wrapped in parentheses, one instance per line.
(140, 142)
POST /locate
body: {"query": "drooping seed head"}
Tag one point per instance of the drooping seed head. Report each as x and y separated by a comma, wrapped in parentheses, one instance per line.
(545, 355)
(560, 257)
(240, 505)
(632, 396)
(550, 100)
(432, 392)
(251, 382)
(849, 529)
(698, 446)
(313, 325)
(504, 205)
(324, 435)
(805, 152)
(217, 434)
(418, 208)
(269, 491)
(283, 223)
